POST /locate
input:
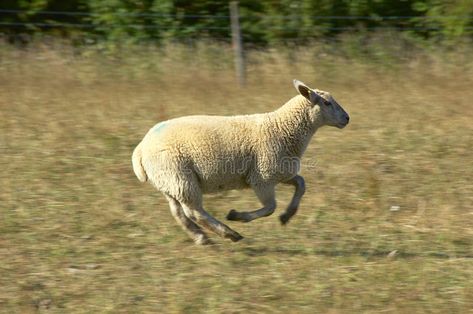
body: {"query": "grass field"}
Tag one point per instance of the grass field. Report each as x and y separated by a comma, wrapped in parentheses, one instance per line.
(80, 234)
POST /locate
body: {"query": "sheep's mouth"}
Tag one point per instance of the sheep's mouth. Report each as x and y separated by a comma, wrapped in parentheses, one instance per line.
(341, 125)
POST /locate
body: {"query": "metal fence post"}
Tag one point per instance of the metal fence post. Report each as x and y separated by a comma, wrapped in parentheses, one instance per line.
(237, 43)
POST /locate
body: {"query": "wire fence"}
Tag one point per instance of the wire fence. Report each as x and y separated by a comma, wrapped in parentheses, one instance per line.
(86, 23)
(254, 28)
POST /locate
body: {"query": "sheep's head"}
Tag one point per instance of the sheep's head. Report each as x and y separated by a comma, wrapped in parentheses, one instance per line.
(332, 113)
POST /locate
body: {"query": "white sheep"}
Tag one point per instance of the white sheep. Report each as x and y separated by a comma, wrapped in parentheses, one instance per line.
(188, 156)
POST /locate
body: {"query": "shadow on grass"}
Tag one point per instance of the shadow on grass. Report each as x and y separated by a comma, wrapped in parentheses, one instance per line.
(254, 252)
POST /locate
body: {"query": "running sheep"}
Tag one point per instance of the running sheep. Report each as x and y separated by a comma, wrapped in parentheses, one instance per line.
(193, 155)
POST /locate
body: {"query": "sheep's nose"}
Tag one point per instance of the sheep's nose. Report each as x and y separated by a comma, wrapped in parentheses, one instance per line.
(347, 118)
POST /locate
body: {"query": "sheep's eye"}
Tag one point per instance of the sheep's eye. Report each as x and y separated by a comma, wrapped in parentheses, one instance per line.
(327, 103)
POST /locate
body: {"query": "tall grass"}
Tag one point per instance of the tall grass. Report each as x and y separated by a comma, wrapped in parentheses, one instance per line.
(385, 225)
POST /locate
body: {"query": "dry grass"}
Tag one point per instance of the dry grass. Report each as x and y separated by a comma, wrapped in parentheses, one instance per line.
(79, 234)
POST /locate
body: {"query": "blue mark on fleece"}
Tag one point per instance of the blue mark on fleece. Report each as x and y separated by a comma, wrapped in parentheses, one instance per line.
(158, 127)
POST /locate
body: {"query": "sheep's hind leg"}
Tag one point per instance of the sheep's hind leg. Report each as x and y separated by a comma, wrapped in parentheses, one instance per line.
(291, 209)
(193, 230)
(201, 217)
(267, 198)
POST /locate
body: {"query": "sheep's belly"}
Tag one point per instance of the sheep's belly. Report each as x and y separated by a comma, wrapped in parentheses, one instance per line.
(228, 182)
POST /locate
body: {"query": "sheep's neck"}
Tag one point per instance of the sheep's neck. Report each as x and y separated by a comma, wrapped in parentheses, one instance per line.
(297, 125)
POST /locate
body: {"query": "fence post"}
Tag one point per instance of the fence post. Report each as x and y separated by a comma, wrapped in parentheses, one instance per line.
(237, 43)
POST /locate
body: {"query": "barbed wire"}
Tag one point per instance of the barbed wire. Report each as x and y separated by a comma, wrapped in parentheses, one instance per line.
(82, 25)
(254, 16)
(128, 14)
(209, 28)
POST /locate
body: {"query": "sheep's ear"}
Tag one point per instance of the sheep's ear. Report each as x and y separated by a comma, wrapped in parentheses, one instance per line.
(308, 93)
(302, 89)
(314, 97)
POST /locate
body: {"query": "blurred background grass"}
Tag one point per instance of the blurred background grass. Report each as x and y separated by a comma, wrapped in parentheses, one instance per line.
(385, 225)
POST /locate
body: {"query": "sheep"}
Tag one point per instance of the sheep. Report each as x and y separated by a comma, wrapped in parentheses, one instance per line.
(189, 156)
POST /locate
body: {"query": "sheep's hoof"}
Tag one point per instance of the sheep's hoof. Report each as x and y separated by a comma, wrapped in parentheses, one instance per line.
(236, 237)
(202, 240)
(284, 218)
(233, 215)
(238, 216)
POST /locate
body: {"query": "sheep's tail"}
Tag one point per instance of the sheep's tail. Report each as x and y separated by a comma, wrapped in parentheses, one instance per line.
(137, 165)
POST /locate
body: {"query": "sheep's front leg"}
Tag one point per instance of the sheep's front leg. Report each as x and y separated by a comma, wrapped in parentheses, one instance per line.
(267, 198)
(299, 183)
(193, 230)
(201, 217)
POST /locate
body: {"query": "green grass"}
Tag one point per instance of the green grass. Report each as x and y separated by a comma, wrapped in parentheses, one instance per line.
(80, 234)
